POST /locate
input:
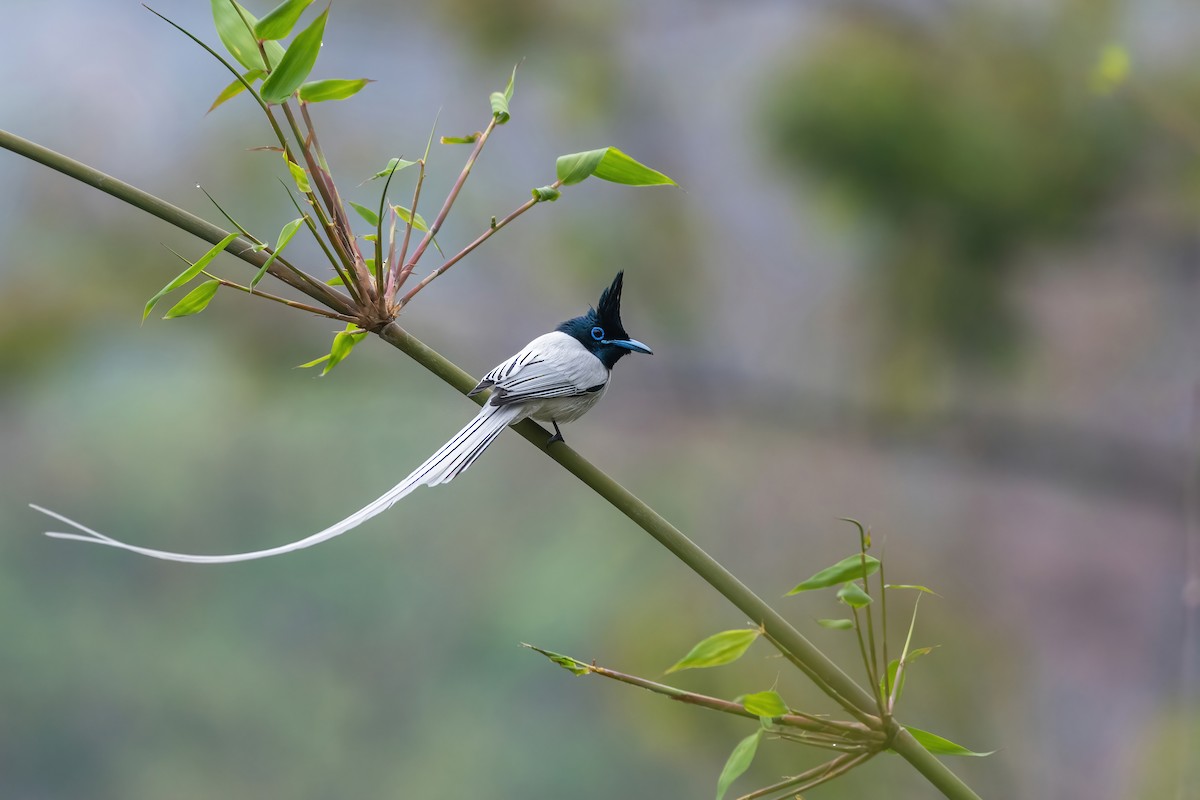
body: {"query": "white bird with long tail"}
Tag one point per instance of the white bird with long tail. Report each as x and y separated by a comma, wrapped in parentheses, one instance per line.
(556, 378)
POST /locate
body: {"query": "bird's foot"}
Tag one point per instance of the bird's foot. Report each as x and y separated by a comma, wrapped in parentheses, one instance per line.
(557, 437)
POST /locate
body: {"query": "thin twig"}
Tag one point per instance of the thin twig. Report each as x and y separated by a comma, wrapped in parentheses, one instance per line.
(294, 304)
(873, 666)
(483, 237)
(900, 665)
(822, 773)
(312, 131)
(396, 275)
(391, 256)
(827, 741)
(337, 224)
(804, 722)
(883, 613)
(278, 258)
(316, 234)
(379, 284)
(866, 659)
(452, 196)
(820, 681)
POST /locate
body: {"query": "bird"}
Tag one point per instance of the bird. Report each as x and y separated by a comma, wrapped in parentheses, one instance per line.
(556, 378)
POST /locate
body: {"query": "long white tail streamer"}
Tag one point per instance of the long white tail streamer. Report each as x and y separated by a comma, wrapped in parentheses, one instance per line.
(445, 465)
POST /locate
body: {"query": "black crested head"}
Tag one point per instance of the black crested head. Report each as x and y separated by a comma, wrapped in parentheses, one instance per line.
(600, 329)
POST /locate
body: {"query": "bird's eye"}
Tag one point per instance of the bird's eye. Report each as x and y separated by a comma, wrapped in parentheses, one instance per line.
(597, 333)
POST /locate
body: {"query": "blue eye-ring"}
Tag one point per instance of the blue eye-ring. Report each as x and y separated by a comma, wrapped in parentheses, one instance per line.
(597, 333)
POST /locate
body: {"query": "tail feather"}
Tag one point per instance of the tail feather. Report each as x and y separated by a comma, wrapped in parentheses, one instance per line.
(451, 460)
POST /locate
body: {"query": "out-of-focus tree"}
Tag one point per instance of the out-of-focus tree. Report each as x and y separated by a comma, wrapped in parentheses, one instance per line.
(962, 142)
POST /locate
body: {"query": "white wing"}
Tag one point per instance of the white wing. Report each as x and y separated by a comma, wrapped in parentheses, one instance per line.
(552, 365)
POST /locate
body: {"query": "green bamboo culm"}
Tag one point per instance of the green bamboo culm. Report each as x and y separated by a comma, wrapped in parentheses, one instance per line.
(794, 646)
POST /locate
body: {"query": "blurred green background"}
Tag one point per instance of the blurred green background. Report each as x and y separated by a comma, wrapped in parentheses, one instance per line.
(920, 273)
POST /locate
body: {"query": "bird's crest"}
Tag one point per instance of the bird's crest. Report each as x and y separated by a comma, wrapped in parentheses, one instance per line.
(609, 306)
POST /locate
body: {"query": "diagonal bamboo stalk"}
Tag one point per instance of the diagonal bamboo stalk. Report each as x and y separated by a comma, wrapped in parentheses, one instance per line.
(176, 216)
(778, 630)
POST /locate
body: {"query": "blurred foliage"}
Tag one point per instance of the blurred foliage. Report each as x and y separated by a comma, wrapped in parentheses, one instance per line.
(965, 142)
(577, 38)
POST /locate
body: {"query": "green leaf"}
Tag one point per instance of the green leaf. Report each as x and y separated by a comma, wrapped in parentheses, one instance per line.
(469, 139)
(366, 213)
(343, 343)
(566, 662)
(546, 194)
(314, 362)
(836, 624)
(230, 19)
(298, 175)
(285, 236)
(576, 167)
(720, 648)
(394, 165)
(848, 568)
(764, 704)
(429, 141)
(331, 89)
(500, 100)
(853, 595)
(237, 87)
(418, 222)
(941, 746)
(608, 164)
(886, 684)
(924, 589)
(739, 761)
(888, 681)
(296, 63)
(195, 301)
(278, 23)
(189, 273)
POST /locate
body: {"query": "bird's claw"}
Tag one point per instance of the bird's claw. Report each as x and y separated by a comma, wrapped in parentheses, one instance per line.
(557, 437)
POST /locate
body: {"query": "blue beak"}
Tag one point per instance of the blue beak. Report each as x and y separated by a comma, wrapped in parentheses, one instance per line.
(633, 345)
